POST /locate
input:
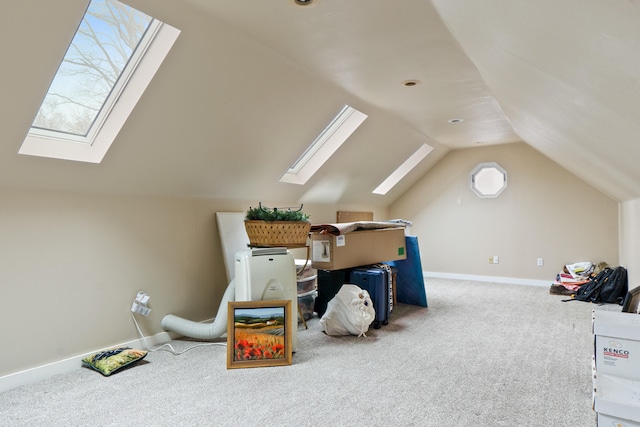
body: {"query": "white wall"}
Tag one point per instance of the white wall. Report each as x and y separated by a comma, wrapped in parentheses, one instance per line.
(545, 212)
(630, 240)
(70, 266)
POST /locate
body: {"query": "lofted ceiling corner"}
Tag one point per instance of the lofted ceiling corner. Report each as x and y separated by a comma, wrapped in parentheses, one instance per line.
(565, 73)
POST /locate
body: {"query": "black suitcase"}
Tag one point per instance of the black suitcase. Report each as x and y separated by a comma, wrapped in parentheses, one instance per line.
(329, 283)
(375, 280)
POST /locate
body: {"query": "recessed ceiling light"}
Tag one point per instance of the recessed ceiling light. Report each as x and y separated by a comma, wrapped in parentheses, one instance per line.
(303, 4)
(410, 83)
(455, 120)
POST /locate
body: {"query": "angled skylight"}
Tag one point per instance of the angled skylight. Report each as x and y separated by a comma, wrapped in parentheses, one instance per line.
(403, 170)
(112, 58)
(323, 147)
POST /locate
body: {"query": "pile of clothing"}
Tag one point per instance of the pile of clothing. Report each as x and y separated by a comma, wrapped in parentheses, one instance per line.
(572, 276)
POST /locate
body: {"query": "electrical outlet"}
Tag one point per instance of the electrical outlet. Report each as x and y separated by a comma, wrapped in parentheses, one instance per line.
(496, 259)
(140, 309)
(540, 262)
(490, 260)
(140, 304)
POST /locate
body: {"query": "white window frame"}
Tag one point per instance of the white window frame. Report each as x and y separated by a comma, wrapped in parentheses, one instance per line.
(324, 146)
(54, 145)
(491, 186)
(402, 171)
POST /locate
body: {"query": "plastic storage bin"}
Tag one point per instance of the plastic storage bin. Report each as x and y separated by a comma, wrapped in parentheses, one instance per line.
(306, 285)
(303, 268)
(306, 302)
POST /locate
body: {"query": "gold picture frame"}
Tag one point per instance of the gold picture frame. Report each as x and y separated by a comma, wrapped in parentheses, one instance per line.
(258, 334)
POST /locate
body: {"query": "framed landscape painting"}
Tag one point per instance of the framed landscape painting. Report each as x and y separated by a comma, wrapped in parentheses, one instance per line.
(258, 334)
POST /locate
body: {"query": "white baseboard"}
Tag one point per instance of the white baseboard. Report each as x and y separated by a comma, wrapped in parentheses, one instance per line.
(493, 279)
(39, 373)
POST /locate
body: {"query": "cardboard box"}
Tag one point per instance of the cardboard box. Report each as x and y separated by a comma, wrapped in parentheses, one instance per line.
(617, 344)
(329, 252)
(617, 397)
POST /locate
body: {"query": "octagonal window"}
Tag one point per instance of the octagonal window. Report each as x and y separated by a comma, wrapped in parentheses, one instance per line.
(488, 180)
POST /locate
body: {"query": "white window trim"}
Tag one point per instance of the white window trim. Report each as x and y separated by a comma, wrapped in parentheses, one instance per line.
(94, 153)
(480, 167)
(402, 171)
(324, 146)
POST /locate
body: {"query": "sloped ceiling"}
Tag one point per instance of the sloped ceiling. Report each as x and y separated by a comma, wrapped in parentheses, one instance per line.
(566, 75)
(249, 84)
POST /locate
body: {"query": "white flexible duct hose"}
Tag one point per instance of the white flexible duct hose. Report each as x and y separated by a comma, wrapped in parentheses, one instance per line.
(198, 330)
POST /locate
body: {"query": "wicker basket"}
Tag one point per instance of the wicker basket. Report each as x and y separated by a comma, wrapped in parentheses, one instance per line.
(266, 234)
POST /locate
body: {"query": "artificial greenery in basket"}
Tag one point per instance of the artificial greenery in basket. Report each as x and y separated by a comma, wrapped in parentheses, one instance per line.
(276, 214)
(273, 227)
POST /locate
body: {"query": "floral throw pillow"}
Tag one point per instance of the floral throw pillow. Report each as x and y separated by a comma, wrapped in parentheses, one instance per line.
(109, 361)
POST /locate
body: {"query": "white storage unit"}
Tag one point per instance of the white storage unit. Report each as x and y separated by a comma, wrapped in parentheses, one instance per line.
(609, 421)
(268, 274)
(617, 343)
(617, 397)
(616, 377)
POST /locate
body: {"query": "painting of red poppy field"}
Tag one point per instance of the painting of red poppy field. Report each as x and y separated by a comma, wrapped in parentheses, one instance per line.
(258, 334)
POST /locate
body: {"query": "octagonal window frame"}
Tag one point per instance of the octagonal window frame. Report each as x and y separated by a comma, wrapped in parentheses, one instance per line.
(489, 187)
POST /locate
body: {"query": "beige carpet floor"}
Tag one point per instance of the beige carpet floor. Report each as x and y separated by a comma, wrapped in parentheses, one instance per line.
(481, 354)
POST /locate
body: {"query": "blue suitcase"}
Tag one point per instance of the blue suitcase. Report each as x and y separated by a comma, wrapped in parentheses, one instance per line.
(376, 281)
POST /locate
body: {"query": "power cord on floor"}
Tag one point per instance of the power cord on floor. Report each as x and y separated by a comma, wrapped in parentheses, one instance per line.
(170, 348)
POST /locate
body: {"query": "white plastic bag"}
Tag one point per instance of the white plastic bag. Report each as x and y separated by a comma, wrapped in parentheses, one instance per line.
(350, 312)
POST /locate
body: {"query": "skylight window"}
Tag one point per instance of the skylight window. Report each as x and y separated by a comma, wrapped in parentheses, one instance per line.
(403, 170)
(323, 147)
(112, 58)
